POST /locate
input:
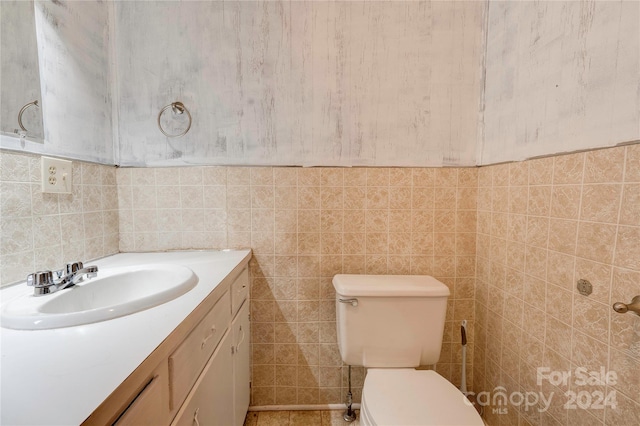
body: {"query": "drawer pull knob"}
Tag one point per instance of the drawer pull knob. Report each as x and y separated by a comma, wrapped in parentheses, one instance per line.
(212, 331)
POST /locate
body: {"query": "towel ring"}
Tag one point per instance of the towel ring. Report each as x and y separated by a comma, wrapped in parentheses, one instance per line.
(177, 108)
(22, 110)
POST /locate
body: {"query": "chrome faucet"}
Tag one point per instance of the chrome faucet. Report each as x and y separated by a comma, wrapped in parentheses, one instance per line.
(44, 282)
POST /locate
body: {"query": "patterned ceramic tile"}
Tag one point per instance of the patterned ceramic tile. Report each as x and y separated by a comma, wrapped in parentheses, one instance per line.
(514, 235)
(34, 231)
(600, 203)
(593, 235)
(604, 165)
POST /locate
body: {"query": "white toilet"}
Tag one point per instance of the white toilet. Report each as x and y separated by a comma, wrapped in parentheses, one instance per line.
(390, 324)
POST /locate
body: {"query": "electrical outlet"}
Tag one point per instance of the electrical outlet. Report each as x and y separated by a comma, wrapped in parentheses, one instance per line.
(57, 176)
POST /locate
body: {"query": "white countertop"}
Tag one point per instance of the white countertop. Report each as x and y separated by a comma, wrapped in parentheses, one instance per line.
(60, 376)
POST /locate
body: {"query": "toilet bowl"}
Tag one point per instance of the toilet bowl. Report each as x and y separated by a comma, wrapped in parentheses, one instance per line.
(392, 324)
(413, 397)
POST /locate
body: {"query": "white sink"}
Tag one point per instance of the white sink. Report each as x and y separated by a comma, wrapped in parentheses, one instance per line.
(115, 292)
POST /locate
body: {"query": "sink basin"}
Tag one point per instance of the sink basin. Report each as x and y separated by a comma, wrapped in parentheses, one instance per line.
(115, 292)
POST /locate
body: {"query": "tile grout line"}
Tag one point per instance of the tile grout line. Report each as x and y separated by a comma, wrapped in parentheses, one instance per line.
(613, 268)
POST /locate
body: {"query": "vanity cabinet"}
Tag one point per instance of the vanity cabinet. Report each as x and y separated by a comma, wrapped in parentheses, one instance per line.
(221, 394)
(199, 375)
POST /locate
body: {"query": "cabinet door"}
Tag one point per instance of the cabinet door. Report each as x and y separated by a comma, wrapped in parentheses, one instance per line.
(210, 401)
(241, 368)
(151, 406)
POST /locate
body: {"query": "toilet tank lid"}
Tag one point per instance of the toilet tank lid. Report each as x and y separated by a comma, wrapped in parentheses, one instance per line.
(389, 285)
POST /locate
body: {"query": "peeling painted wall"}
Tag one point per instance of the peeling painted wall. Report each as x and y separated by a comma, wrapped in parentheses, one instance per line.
(560, 77)
(336, 83)
(300, 83)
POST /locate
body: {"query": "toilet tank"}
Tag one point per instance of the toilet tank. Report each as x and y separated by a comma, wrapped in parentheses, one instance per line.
(391, 321)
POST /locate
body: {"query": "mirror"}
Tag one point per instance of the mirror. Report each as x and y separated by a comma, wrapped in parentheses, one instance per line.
(20, 97)
(57, 52)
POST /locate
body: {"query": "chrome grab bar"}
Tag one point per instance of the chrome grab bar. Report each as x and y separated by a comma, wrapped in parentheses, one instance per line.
(354, 302)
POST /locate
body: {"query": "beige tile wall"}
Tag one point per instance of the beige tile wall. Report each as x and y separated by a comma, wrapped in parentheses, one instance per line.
(305, 225)
(44, 231)
(542, 225)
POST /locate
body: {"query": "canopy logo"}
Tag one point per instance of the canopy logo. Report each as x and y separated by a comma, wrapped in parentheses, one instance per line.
(499, 400)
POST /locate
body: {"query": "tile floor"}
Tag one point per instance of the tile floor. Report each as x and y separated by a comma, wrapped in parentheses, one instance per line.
(298, 418)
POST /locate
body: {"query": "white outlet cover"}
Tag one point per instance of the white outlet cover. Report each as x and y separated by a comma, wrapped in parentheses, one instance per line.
(57, 176)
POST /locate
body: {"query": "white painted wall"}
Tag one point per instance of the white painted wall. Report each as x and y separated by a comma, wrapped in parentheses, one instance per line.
(560, 77)
(73, 43)
(301, 83)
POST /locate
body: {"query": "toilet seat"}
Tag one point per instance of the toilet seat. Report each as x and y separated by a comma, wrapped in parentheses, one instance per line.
(413, 397)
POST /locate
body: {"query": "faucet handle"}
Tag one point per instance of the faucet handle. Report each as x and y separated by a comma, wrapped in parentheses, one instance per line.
(40, 279)
(92, 271)
(73, 267)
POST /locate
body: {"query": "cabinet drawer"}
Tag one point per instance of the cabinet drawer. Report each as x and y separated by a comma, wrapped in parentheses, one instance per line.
(240, 290)
(210, 402)
(150, 406)
(186, 363)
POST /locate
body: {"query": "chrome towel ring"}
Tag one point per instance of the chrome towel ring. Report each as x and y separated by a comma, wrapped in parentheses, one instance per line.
(22, 110)
(177, 108)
